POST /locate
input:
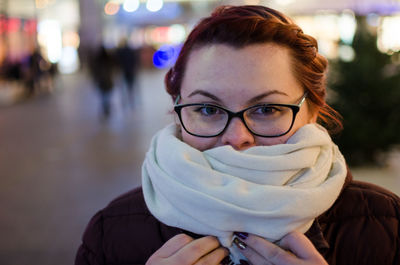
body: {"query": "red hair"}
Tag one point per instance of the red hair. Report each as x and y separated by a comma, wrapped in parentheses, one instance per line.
(239, 26)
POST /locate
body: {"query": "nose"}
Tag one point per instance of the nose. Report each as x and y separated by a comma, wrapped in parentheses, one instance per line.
(237, 135)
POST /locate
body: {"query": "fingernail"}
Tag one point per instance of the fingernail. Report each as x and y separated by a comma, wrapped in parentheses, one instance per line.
(240, 244)
(226, 260)
(241, 235)
(243, 262)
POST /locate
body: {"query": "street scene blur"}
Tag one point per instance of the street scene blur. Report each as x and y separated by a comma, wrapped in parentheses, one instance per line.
(82, 93)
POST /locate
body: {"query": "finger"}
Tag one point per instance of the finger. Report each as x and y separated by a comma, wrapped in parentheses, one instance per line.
(300, 245)
(268, 252)
(173, 245)
(253, 256)
(193, 251)
(214, 257)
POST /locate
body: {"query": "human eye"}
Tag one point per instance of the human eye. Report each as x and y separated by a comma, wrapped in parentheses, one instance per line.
(208, 110)
(265, 110)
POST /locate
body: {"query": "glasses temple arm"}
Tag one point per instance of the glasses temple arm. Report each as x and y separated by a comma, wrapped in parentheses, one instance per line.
(177, 99)
(303, 99)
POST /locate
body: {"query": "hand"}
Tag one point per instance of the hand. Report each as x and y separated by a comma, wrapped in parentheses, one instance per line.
(184, 250)
(296, 249)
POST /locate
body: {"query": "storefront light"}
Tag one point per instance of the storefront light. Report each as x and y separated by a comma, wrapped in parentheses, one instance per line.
(49, 36)
(41, 4)
(13, 25)
(30, 26)
(3, 24)
(148, 35)
(388, 34)
(154, 5)
(327, 26)
(324, 27)
(347, 26)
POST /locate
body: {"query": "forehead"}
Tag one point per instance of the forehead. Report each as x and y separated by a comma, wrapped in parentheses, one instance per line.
(229, 71)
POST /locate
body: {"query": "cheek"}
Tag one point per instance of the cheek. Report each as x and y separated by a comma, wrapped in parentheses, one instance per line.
(273, 141)
(305, 116)
(199, 143)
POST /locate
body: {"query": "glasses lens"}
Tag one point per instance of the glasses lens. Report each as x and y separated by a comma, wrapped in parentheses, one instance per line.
(204, 120)
(269, 120)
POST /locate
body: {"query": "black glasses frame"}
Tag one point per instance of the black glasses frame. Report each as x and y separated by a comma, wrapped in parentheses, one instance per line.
(294, 107)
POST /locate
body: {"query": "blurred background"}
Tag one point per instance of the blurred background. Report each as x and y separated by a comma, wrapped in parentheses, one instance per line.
(81, 94)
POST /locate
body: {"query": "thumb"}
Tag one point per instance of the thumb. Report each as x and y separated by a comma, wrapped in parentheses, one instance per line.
(299, 245)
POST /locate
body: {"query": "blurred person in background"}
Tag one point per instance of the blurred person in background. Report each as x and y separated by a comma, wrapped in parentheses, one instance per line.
(101, 69)
(128, 63)
(32, 72)
(38, 74)
(249, 173)
(12, 70)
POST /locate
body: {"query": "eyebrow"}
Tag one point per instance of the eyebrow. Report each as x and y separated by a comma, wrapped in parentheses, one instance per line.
(249, 102)
(264, 95)
(204, 93)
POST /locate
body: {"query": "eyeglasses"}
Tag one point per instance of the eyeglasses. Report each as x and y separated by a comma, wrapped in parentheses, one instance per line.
(265, 120)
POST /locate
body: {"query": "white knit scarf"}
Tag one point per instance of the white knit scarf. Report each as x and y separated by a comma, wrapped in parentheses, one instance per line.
(264, 190)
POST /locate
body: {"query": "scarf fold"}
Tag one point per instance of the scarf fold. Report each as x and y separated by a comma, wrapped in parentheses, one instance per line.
(264, 190)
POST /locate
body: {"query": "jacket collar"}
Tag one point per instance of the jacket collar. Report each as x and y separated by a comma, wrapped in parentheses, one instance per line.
(317, 238)
(315, 233)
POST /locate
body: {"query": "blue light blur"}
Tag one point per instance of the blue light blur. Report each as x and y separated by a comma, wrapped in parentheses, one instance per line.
(166, 56)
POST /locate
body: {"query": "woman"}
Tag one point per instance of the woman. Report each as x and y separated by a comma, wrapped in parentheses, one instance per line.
(247, 176)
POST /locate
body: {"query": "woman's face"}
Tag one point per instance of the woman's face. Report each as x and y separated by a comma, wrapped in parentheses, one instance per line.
(238, 78)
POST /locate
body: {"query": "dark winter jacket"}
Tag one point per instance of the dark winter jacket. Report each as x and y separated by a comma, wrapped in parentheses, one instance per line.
(361, 228)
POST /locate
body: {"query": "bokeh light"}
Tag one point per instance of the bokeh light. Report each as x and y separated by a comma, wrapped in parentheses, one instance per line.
(41, 4)
(166, 56)
(69, 62)
(13, 24)
(71, 38)
(347, 26)
(154, 5)
(346, 53)
(131, 5)
(389, 34)
(176, 33)
(30, 26)
(111, 8)
(49, 37)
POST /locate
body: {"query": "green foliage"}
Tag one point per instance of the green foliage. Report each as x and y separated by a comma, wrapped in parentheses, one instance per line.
(368, 97)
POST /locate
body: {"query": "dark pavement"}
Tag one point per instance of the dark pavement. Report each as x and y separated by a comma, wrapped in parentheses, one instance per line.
(61, 162)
